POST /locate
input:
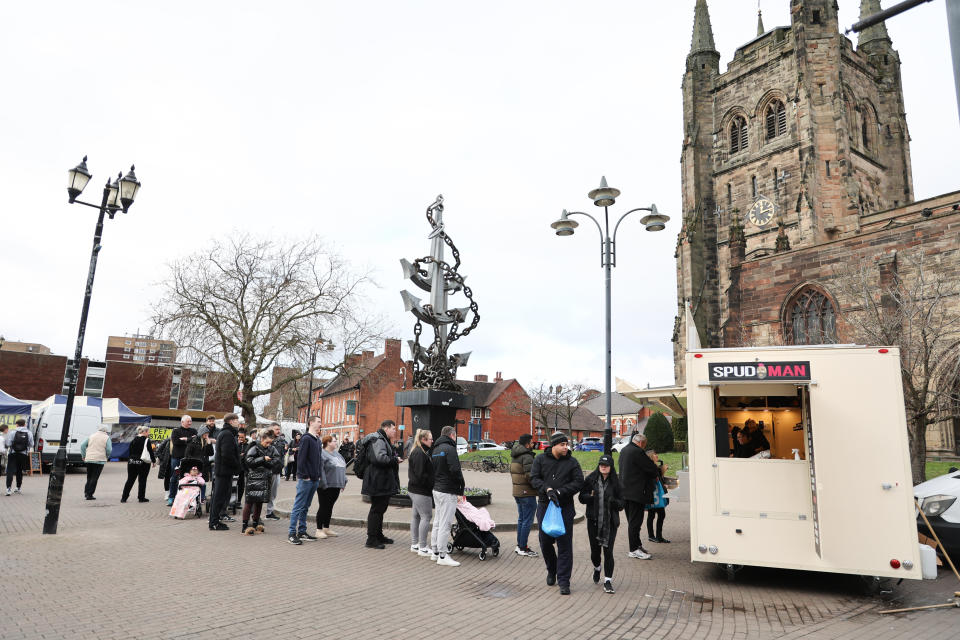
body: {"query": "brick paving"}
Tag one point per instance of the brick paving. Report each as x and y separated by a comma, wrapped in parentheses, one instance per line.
(129, 571)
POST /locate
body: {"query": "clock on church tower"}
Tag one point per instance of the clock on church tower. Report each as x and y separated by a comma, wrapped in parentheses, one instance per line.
(762, 211)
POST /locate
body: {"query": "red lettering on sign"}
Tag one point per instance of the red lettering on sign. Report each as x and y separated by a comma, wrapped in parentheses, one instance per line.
(787, 371)
(800, 370)
(773, 371)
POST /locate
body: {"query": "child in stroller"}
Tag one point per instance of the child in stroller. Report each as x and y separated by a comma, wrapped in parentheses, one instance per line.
(473, 530)
(188, 497)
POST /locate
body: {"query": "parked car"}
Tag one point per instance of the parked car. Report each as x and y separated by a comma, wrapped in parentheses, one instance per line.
(619, 444)
(939, 499)
(541, 444)
(490, 446)
(462, 445)
(590, 444)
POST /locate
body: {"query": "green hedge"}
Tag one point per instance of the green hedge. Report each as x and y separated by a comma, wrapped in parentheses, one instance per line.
(659, 434)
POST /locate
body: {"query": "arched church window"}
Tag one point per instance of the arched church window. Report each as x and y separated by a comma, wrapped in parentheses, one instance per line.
(738, 134)
(810, 318)
(776, 119)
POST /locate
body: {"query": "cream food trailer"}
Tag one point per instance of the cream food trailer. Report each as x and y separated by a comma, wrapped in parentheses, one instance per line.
(835, 493)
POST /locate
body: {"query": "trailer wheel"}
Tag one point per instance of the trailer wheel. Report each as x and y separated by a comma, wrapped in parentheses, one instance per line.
(875, 585)
(449, 547)
(732, 570)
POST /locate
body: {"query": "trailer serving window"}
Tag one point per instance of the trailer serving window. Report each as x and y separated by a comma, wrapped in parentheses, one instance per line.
(762, 421)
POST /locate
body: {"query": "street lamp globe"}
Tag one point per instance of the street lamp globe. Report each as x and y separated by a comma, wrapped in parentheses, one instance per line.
(113, 196)
(564, 225)
(604, 196)
(78, 177)
(129, 187)
(654, 221)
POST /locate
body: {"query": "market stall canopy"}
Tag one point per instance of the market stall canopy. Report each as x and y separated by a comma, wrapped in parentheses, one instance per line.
(112, 410)
(12, 406)
(672, 399)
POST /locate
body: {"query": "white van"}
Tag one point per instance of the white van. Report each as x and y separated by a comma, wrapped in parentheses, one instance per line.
(86, 420)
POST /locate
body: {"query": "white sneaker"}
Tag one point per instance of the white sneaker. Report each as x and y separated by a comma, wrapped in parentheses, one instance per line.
(434, 556)
(17, 490)
(330, 534)
(8, 491)
(423, 553)
(321, 535)
(415, 548)
(640, 554)
(447, 561)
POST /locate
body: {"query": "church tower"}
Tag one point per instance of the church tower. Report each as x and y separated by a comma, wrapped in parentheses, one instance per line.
(796, 144)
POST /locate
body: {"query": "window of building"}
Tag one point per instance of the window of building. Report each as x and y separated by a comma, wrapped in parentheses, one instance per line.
(776, 119)
(151, 358)
(729, 195)
(174, 395)
(738, 134)
(828, 168)
(810, 318)
(753, 184)
(126, 349)
(486, 413)
(776, 185)
(126, 356)
(475, 413)
(127, 342)
(197, 393)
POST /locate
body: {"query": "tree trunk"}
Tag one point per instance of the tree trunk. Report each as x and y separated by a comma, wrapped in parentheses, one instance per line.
(917, 436)
(246, 408)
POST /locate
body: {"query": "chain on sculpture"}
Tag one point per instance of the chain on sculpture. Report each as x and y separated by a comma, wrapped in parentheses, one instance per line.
(432, 367)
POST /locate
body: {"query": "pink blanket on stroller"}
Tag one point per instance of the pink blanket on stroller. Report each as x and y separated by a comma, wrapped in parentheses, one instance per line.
(478, 516)
(186, 498)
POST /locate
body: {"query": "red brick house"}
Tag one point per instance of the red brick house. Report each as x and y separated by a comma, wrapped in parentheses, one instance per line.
(501, 409)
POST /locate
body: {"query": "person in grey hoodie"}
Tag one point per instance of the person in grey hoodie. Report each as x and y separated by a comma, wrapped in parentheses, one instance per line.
(334, 470)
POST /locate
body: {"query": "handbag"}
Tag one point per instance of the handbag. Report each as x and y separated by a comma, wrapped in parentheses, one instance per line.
(145, 454)
(552, 523)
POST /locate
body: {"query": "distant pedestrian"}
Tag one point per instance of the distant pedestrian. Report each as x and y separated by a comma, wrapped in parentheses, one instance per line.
(3, 447)
(657, 509)
(179, 438)
(163, 460)
(142, 459)
(226, 464)
(260, 459)
(19, 442)
(95, 450)
(334, 470)
(557, 477)
(420, 490)
(602, 494)
(243, 443)
(638, 474)
(380, 480)
(448, 488)
(309, 478)
(280, 444)
(291, 469)
(524, 494)
(347, 449)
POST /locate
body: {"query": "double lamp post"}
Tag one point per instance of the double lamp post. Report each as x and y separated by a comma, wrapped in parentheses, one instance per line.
(604, 196)
(118, 195)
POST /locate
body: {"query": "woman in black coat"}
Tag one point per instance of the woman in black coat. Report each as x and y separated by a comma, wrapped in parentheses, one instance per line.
(603, 496)
(420, 490)
(261, 461)
(142, 457)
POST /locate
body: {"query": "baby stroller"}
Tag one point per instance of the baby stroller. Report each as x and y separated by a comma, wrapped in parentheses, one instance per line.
(188, 496)
(465, 533)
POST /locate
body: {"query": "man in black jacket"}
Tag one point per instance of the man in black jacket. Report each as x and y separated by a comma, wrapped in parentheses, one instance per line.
(638, 476)
(226, 464)
(448, 486)
(557, 477)
(178, 449)
(380, 480)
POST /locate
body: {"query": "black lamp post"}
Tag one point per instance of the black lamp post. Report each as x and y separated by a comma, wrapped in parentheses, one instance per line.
(117, 196)
(320, 344)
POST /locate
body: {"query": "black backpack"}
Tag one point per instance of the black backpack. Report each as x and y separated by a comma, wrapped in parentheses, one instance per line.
(21, 442)
(360, 463)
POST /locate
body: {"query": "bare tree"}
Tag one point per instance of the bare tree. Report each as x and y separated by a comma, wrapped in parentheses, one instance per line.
(246, 303)
(916, 308)
(552, 408)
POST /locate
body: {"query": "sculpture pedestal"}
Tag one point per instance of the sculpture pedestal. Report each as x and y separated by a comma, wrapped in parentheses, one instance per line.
(432, 409)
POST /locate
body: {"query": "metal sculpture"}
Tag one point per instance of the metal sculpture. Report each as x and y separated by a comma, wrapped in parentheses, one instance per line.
(432, 367)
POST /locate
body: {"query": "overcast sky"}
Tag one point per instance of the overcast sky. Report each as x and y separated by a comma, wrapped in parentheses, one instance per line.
(346, 119)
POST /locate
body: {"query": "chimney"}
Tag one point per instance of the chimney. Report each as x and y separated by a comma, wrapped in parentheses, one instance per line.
(351, 360)
(367, 355)
(391, 347)
(479, 378)
(498, 377)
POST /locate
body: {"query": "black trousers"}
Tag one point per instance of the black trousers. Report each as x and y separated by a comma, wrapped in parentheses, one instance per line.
(221, 495)
(660, 514)
(634, 511)
(378, 507)
(326, 498)
(596, 549)
(136, 471)
(93, 477)
(16, 463)
(559, 562)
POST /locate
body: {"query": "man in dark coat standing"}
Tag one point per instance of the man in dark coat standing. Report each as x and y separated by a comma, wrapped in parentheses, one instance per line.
(226, 464)
(557, 477)
(638, 476)
(380, 480)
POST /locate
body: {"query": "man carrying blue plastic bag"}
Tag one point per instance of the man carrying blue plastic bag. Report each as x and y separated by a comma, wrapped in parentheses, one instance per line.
(557, 477)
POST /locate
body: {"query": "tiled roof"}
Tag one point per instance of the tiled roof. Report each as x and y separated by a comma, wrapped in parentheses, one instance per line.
(353, 376)
(582, 420)
(619, 405)
(484, 393)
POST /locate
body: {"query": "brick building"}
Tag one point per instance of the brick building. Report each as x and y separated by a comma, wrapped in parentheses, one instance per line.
(140, 348)
(501, 409)
(583, 423)
(795, 165)
(23, 347)
(163, 392)
(285, 402)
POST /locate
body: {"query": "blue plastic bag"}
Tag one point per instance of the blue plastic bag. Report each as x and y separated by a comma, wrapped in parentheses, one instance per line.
(552, 523)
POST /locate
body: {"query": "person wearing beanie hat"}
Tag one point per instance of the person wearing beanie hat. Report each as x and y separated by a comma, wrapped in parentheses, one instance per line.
(604, 499)
(557, 477)
(521, 463)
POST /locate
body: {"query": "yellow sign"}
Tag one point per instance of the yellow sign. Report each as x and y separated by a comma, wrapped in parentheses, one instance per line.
(159, 433)
(11, 418)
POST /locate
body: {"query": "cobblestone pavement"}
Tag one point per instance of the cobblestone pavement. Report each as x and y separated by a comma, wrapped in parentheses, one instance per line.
(129, 571)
